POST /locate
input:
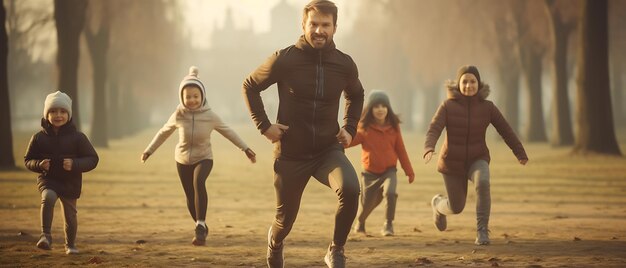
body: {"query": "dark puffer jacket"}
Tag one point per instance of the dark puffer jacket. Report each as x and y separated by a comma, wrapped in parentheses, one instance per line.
(310, 83)
(466, 120)
(67, 143)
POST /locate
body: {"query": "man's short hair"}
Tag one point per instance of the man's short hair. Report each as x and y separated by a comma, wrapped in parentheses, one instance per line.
(321, 6)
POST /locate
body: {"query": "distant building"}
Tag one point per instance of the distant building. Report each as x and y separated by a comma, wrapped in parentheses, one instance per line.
(234, 53)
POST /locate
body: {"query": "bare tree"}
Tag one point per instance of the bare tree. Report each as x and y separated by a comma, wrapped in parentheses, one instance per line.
(6, 136)
(595, 129)
(562, 23)
(97, 35)
(532, 50)
(617, 89)
(70, 18)
(431, 47)
(29, 27)
(502, 41)
(145, 55)
(508, 98)
(617, 61)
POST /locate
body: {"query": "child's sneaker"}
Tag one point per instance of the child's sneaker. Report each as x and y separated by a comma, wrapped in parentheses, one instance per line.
(275, 258)
(387, 229)
(45, 241)
(71, 250)
(440, 219)
(201, 234)
(482, 237)
(334, 257)
(359, 228)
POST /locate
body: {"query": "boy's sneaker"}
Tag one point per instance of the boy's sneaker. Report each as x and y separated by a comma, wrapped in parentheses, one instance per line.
(334, 257)
(275, 258)
(45, 241)
(482, 237)
(359, 228)
(387, 229)
(71, 250)
(201, 234)
(439, 219)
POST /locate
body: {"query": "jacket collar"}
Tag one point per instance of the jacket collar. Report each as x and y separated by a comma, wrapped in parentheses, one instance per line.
(205, 107)
(306, 47)
(455, 93)
(380, 128)
(64, 129)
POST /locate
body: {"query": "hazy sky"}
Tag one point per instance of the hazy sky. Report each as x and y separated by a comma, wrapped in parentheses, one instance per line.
(203, 16)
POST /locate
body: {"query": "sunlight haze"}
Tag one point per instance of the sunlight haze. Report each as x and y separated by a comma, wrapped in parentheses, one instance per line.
(202, 17)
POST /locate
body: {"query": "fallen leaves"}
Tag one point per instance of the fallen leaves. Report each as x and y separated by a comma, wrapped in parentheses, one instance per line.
(422, 261)
(22, 233)
(95, 260)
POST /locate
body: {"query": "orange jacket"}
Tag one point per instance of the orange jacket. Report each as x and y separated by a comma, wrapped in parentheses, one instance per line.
(382, 146)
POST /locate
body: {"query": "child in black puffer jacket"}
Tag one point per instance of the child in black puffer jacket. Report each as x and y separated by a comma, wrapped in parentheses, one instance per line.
(60, 154)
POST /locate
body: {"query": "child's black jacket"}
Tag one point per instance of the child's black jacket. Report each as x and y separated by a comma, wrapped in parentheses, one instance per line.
(68, 143)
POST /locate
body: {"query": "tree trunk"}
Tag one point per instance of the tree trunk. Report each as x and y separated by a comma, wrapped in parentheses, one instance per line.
(508, 66)
(431, 103)
(508, 94)
(114, 120)
(98, 44)
(6, 136)
(404, 97)
(70, 17)
(126, 109)
(562, 133)
(595, 129)
(532, 68)
(617, 88)
(406, 107)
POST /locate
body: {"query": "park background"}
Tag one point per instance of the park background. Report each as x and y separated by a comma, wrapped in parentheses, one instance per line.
(556, 69)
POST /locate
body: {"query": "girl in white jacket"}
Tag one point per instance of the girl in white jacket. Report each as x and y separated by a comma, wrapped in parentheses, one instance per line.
(194, 159)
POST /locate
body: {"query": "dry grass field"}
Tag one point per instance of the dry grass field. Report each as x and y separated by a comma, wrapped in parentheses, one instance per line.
(558, 211)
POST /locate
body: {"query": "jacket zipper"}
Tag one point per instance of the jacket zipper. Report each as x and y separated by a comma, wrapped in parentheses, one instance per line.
(321, 76)
(469, 117)
(319, 90)
(57, 151)
(193, 121)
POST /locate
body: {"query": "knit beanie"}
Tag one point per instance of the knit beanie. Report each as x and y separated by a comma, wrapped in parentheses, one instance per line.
(468, 69)
(192, 79)
(376, 97)
(57, 99)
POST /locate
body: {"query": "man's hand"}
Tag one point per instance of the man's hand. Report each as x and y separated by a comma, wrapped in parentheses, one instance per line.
(344, 137)
(67, 164)
(45, 164)
(275, 132)
(523, 161)
(144, 157)
(428, 156)
(251, 155)
(411, 178)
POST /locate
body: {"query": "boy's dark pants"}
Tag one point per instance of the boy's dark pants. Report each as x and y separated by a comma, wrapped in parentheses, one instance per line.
(48, 200)
(332, 169)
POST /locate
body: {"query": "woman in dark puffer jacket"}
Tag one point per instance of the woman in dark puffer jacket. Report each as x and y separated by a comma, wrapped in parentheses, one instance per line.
(466, 114)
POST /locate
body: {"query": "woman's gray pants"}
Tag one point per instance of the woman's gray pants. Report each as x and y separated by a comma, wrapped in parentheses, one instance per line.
(457, 193)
